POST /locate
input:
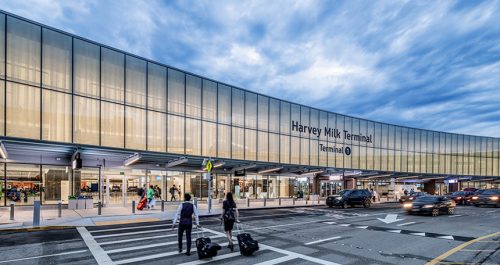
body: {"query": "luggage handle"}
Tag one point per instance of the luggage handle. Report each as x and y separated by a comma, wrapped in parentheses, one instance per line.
(198, 232)
(239, 228)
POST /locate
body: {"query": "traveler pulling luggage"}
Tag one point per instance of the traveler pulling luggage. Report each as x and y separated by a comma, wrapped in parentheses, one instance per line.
(206, 249)
(142, 203)
(246, 243)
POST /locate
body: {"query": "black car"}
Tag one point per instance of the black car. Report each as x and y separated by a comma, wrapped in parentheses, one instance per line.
(412, 196)
(350, 198)
(488, 197)
(461, 197)
(433, 205)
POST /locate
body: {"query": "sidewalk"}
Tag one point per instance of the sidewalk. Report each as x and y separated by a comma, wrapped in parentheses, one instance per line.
(23, 215)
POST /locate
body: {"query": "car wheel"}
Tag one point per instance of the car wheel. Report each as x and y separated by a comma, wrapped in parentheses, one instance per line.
(367, 204)
(477, 205)
(330, 206)
(451, 210)
(435, 212)
(344, 205)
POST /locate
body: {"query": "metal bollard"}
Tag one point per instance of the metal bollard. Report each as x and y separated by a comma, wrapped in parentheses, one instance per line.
(265, 202)
(133, 206)
(12, 210)
(59, 209)
(99, 208)
(279, 201)
(248, 202)
(162, 205)
(36, 213)
(294, 201)
(307, 200)
(318, 200)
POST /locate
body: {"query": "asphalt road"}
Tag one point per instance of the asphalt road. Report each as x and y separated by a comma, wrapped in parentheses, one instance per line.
(309, 235)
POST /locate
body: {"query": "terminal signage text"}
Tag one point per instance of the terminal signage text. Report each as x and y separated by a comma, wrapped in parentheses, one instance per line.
(331, 132)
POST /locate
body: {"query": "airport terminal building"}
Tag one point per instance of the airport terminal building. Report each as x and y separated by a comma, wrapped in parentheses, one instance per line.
(135, 122)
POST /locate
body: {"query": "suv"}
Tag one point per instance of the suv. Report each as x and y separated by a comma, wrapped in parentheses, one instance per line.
(350, 198)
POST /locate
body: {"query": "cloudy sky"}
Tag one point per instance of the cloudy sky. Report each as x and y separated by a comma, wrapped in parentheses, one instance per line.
(425, 64)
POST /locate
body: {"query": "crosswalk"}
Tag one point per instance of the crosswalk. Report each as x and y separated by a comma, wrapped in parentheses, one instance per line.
(157, 244)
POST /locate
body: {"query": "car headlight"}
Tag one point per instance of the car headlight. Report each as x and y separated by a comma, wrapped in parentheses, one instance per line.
(411, 198)
(458, 198)
(407, 205)
(428, 206)
(494, 198)
(475, 197)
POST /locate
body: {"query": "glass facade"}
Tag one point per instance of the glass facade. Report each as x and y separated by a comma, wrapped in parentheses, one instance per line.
(60, 88)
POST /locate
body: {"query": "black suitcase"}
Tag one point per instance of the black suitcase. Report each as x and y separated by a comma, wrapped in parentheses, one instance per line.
(205, 248)
(246, 243)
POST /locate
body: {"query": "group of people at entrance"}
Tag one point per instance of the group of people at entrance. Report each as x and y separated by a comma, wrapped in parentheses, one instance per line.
(174, 191)
(187, 210)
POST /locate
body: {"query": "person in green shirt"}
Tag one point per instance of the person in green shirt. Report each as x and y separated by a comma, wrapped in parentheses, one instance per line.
(150, 195)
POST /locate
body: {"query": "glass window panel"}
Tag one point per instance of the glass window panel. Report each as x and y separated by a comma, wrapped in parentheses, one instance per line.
(175, 134)
(176, 92)
(397, 137)
(370, 162)
(355, 131)
(56, 116)
(250, 145)
(238, 107)
(411, 162)
(323, 156)
(86, 68)
(304, 151)
(362, 157)
(157, 90)
(397, 161)
(23, 111)
(305, 120)
(314, 155)
(86, 121)
(274, 115)
(193, 96)
(56, 60)
(274, 148)
(339, 119)
(331, 126)
(193, 136)
(404, 161)
(224, 101)
(339, 158)
(112, 124)
(23, 176)
(238, 143)
(390, 160)
(135, 122)
(209, 140)
(224, 141)
(136, 82)
(250, 110)
(355, 157)
(314, 119)
(263, 111)
(295, 117)
(23, 51)
(2, 111)
(348, 128)
(284, 149)
(53, 188)
(209, 100)
(331, 155)
(157, 128)
(363, 130)
(112, 75)
(323, 125)
(295, 150)
(391, 138)
(285, 122)
(263, 151)
(2, 46)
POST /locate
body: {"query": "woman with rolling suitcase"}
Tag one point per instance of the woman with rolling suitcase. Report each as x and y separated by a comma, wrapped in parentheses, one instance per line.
(230, 215)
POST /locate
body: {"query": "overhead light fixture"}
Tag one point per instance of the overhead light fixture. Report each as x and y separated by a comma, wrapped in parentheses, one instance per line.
(176, 162)
(132, 159)
(219, 164)
(243, 167)
(313, 172)
(3, 151)
(269, 170)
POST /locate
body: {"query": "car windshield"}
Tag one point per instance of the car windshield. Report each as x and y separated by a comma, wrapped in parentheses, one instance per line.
(345, 192)
(491, 192)
(427, 199)
(458, 193)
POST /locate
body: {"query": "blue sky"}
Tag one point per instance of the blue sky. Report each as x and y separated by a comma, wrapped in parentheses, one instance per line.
(424, 64)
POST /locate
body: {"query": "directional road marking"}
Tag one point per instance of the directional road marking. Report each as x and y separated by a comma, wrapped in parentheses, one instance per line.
(409, 223)
(390, 218)
(323, 240)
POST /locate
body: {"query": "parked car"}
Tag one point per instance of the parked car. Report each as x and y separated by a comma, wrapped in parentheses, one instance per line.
(461, 197)
(433, 205)
(475, 196)
(412, 196)
(350, 198)
(488, 197)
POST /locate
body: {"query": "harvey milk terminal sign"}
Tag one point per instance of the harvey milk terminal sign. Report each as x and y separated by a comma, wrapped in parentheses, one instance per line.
(334, 133)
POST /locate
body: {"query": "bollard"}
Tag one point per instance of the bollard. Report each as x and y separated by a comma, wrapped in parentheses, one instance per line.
(12, 210)
(318, 200)
(133, 206)
(248, 202)
(59, 209)
(265, 202)
(294, 201)
(36, 213)
(99, 206)
(307, 200)
(162, 205)
(280, 201)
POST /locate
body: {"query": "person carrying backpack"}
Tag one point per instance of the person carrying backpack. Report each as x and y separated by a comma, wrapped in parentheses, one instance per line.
(230, 215)
(185, 213)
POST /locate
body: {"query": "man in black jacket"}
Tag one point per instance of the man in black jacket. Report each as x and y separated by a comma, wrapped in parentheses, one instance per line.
(185, 213)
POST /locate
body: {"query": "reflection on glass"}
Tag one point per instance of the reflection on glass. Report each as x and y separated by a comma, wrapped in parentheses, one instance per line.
(157, 128)
(86, 68)
(23, 111)
(135, 121)
(56, 60)
(175, 134)
(193, 137)
(224, 141)
(86, 121)
(238, 145)
(224, 108)
(157, 87)
(112, 125)
(209, 100)
(176, 92)
(23, 51)
(193, 96)
(56, 116)
(112, 75)
(209, 141)
(136, 82)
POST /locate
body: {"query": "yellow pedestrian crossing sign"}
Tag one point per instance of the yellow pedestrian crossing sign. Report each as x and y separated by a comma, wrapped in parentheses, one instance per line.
(209, 166)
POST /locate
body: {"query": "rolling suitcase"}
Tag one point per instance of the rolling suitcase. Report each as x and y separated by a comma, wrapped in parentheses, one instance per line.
(142, 203)
(246, 243)
(205, 248)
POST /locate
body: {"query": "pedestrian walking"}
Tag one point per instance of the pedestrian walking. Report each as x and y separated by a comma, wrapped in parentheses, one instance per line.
(229, 216)
(185, 213)
(172, 192)
(150, 196)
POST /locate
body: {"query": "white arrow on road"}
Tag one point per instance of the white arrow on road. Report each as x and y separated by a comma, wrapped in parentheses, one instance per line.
(390, 218)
